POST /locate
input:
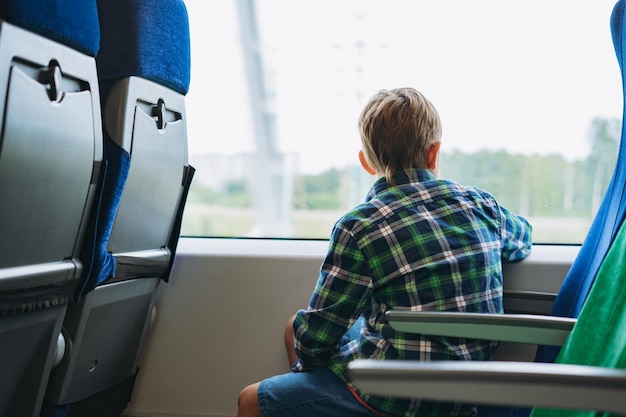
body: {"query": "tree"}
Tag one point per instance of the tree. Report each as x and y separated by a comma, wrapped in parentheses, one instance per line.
(604, 135)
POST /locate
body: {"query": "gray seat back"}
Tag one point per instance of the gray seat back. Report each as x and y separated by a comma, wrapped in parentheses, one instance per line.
(50, 154)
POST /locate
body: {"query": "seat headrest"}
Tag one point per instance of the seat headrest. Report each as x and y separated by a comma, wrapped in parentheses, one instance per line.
(146, 38)
(71, 22)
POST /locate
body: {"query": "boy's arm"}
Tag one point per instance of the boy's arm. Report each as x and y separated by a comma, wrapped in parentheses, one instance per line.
(516, 236)
(342, 290)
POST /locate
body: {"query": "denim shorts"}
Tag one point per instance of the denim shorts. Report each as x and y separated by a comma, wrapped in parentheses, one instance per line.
(314, 393)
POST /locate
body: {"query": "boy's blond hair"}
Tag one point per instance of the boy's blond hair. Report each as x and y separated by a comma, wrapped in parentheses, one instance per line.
(397, 128)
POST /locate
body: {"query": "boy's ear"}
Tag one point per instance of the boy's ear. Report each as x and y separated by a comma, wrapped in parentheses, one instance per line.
(433, 154)
(366, 166)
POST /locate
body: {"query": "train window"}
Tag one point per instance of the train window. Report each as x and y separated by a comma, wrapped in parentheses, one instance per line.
(529, 94)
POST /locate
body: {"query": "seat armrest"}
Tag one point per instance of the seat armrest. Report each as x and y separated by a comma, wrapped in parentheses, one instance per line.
(574, 387)
(519, 328)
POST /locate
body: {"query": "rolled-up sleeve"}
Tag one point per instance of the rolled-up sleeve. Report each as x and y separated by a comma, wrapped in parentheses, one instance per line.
(516, 236)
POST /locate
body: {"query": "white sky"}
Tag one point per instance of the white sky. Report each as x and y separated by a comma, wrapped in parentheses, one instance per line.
(524, 76)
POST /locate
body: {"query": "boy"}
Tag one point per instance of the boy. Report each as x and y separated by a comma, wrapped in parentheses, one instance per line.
(417, 243)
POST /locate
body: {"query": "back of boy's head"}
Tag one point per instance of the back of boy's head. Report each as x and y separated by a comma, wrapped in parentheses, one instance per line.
(397, 128)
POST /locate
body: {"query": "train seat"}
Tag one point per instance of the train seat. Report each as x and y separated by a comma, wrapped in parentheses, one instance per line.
(144, 72)
(607, 220)
(592, 291)
(50, 154)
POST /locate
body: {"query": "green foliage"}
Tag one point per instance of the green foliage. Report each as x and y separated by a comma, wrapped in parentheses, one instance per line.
(531, 185)
(319, 192)
(233, 194)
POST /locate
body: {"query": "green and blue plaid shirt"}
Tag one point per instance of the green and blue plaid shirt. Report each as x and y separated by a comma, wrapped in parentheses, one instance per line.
(420, 244)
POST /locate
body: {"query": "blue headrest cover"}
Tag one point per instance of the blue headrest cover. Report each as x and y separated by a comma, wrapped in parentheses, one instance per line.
(146, 38)
(607, 222)
(71, 22)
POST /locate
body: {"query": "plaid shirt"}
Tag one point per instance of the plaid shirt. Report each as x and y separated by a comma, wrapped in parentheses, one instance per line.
(421, 244)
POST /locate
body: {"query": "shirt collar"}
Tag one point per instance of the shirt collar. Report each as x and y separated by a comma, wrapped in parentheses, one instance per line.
(400, 178)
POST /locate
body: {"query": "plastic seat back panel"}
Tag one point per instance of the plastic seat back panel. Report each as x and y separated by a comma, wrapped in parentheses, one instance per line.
(105, 350)
(43, 217)
(158, 156)
(23, 396)
(47, 149)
